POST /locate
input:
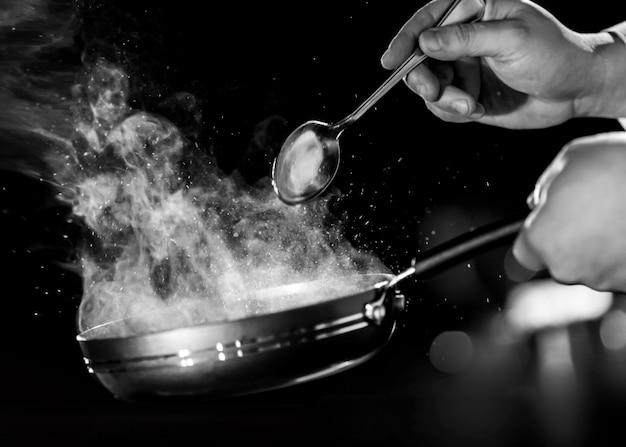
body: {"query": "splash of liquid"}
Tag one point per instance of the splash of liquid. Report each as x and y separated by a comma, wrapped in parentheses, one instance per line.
(171, 240)
(173, 232)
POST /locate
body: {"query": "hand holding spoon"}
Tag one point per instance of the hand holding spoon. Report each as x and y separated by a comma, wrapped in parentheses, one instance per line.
(309, 158)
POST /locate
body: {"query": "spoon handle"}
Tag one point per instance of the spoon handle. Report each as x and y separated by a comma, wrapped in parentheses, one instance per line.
(460, 11)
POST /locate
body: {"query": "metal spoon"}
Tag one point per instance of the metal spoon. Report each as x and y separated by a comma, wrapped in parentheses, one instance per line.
(309, 158)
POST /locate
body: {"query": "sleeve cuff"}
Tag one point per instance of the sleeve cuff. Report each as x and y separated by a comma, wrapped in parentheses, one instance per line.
(618, 31)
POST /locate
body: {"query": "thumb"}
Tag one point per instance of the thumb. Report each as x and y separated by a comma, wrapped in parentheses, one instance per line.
(478, 39)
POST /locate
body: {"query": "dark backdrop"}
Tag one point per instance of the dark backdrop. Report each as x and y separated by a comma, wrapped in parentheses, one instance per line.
(409, 181)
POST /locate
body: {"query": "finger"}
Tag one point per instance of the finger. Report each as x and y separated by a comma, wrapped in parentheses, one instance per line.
(484, 39)
(445, 115)
(405, 42)
(539, 195)
(526, 255)
(456, 101)
(423, 82)
(429, 79)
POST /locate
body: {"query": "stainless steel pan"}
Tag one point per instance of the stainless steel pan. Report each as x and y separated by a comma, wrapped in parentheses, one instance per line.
(273, 350)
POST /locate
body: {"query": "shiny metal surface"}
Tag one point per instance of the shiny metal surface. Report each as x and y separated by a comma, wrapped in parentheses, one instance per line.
(242, 356)
(272, 350)
(309, 158)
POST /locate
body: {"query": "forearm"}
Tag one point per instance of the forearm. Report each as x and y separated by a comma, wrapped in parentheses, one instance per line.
(606, 97)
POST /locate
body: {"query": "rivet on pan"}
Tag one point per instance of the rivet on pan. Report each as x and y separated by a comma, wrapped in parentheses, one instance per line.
(375, 313)
(186, 362)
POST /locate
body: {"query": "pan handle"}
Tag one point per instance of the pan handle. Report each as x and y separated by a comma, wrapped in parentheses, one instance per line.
(465, 246)
(449, 253)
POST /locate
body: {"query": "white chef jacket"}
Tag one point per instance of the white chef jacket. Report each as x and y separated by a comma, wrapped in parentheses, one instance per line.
(619, 31)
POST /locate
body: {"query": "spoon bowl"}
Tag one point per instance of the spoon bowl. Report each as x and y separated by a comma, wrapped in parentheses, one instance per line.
(309, 158)
(307, 162)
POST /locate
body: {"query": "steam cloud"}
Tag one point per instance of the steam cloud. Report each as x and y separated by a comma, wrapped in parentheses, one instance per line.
(172, 240)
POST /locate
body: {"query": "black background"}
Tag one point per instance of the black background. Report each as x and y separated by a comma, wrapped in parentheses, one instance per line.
(408, 181)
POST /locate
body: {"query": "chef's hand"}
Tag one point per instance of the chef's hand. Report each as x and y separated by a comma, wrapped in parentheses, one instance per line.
(517, 68)
(577, 229)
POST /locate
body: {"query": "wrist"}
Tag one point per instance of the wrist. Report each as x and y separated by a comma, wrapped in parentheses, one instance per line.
(604, 95)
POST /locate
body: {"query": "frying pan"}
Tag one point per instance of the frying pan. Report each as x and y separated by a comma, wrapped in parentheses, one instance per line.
(273, 350)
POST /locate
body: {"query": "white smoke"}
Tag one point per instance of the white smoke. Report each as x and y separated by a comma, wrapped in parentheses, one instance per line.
(171, 240)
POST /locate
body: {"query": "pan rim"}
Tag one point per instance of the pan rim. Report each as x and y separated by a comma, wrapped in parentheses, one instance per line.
(83, 338)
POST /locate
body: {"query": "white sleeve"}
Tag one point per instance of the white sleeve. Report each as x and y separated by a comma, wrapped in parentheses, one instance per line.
(619, 31)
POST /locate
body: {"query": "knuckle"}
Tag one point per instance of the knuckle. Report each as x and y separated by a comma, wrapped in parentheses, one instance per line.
(420, 85)
(463, 33)
(601, 277)
(428, 92)
(566, 267)
(429, 95)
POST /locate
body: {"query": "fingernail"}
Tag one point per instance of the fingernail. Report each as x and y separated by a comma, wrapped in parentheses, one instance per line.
(383, 59)
(479, 111)
(430, 40)
(461, 106)
(526, 254)
(534, 199)
(531, 200)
